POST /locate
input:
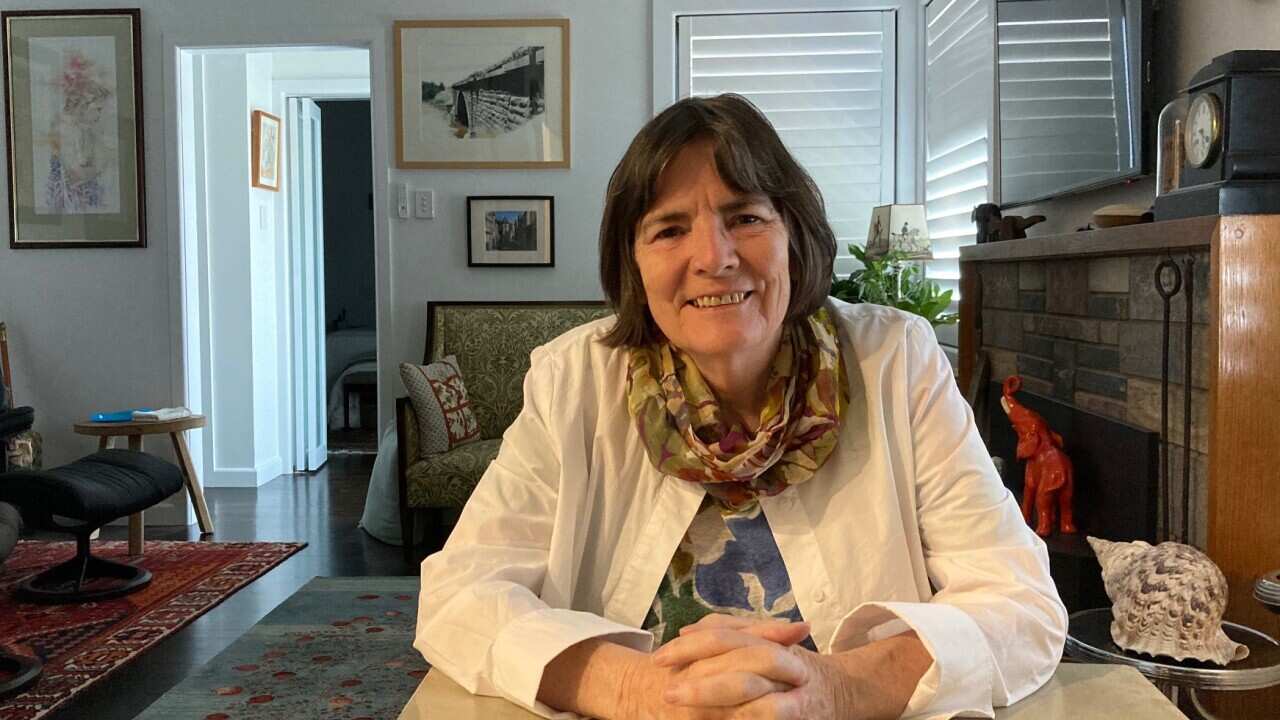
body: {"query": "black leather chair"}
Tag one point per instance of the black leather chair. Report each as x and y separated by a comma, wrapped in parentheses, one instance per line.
(18, 671)
(81, 497)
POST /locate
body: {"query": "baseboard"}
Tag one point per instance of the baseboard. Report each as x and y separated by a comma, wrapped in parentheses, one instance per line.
(270, 470)
(231, 477)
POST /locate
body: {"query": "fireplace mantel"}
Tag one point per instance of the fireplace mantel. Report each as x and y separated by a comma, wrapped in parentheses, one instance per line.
(1171, 235)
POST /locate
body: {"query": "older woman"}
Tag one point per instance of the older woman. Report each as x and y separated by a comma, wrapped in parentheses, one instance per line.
(784, 492)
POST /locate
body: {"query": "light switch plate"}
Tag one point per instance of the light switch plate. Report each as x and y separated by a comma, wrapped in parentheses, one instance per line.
(402, 200)
(424, 203)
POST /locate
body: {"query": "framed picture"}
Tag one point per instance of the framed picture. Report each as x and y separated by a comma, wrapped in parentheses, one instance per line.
(266, 151)
(511, 230)
(73, 120)
(482, 93)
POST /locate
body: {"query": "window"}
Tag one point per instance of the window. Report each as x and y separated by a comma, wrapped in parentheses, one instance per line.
(1062, 68)
(827, 82)
(959, 98)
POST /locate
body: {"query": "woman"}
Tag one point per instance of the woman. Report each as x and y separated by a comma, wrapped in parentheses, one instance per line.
(786, 492)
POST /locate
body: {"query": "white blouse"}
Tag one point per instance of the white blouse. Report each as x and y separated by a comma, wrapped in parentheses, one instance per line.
(570, 530)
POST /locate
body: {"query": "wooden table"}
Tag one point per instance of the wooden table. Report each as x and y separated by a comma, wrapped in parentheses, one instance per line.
(175, 429)
(1075, 692)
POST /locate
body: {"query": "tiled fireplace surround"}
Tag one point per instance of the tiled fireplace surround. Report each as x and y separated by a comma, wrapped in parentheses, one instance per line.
(1088, 332)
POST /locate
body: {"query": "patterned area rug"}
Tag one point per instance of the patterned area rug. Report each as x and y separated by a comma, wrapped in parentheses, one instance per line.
(81, 643)
(337, 648)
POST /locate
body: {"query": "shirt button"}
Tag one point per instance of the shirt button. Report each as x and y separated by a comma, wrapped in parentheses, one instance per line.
(820, 596)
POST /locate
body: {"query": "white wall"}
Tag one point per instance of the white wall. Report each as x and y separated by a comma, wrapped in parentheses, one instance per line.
(98, 329)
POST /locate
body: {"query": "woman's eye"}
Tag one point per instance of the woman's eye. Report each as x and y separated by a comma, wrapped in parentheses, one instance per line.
(667, 232)
(747, 219)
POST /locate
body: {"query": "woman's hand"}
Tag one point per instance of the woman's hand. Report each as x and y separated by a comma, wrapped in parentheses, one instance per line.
(729, 667)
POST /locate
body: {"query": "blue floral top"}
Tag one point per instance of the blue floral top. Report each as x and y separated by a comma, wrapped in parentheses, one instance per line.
(727, 563)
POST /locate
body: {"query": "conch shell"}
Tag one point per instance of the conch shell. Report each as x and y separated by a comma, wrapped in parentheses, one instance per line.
(1166, 600)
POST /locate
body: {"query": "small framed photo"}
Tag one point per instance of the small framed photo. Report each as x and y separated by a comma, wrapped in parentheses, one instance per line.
(266, 151)
(475, 94)
(73, 115)
(511, 231)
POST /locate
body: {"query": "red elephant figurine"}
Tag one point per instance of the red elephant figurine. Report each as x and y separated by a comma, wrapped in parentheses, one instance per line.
(1049, 476)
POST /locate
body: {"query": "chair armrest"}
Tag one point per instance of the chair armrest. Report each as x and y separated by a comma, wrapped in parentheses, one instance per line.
(15, 420)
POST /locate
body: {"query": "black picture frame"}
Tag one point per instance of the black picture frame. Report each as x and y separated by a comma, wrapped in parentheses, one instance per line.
(68, 212)
(499, 233)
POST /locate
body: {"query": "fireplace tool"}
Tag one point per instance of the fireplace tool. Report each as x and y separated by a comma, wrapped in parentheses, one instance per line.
(1176, 276)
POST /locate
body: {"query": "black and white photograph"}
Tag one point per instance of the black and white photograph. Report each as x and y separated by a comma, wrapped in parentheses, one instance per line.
(482, 94)
(511, 230)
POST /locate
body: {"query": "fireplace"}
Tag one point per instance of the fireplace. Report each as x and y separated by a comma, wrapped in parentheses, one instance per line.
(1116, 485)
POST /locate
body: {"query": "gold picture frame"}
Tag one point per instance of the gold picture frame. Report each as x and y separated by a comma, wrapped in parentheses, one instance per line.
(73, 121)
(265, 149)
(482, 94)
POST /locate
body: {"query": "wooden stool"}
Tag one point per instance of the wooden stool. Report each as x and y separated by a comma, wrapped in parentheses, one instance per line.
(174, 429)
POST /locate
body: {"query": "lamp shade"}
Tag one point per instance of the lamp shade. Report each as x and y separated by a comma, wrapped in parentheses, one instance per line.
(899, 227)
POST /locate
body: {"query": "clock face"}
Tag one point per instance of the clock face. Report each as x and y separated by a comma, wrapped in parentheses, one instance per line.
(1203, 130)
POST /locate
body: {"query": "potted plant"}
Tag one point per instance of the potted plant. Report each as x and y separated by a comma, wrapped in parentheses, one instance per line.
(893, 280)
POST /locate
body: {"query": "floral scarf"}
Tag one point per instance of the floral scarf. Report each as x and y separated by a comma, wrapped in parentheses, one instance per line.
(678, 416)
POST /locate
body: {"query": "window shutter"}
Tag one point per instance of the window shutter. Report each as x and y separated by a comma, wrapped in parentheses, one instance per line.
(826, 81)
(959, 94)
(1058, 114)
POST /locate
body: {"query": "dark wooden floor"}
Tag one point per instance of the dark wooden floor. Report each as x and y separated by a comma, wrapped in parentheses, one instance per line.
(320, 509)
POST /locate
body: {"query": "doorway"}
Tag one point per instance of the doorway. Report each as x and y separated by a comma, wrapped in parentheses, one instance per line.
(256, 324)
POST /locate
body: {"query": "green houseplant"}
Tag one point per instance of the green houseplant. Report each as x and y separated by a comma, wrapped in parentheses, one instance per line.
(895, 281)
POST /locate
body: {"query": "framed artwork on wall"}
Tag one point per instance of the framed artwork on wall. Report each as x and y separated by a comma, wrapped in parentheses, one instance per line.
(265, 150)
(73, 121)
(505, 230)
(482, 94)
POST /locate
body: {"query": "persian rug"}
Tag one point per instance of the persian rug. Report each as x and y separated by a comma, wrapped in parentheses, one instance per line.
(82, 643)
(337, 648)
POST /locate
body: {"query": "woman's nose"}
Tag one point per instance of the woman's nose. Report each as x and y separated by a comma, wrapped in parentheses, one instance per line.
(715, 250)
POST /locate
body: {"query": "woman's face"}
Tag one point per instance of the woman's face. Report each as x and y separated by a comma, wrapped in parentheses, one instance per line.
(714, 262)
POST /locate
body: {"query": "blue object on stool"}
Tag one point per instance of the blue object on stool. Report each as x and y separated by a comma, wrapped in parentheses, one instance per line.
(93, 490)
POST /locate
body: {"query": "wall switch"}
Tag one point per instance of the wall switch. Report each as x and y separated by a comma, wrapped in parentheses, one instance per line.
(402, 200)
(424, 203)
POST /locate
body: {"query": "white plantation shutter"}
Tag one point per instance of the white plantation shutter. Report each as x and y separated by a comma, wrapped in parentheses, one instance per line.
(1059, 121)
(959, 95)
(827, 83)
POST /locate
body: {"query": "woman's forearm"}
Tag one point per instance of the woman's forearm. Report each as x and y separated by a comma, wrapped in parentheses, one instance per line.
(592, 678)
(878, 679)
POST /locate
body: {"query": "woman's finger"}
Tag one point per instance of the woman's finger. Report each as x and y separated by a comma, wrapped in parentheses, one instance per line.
(721, 690)
(715, 620)
(707, 643)
(779, 631)
(771, 662)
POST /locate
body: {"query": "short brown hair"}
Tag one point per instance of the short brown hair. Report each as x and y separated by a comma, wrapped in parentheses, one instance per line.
(750, 158)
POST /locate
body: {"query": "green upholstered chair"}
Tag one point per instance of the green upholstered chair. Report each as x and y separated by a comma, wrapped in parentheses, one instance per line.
(492, 342)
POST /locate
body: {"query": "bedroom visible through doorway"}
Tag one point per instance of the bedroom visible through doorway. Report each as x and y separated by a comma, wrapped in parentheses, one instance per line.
(350, 329)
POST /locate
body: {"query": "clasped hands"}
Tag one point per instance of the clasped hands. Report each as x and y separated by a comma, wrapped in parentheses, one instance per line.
(725, 667)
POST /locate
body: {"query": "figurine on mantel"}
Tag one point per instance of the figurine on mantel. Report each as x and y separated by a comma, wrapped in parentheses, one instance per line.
(1049, 479)
(1166, 600)
(992, 226)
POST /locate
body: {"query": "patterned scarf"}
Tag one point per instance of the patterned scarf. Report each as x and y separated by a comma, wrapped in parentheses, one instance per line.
(679, 420)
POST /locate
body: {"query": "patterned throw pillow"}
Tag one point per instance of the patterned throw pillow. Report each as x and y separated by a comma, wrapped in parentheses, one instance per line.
(439, 399)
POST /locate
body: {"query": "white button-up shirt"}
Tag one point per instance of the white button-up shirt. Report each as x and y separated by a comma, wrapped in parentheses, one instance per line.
(906, 525)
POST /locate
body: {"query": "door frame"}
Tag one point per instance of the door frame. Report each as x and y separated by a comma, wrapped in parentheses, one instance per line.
(186, 281)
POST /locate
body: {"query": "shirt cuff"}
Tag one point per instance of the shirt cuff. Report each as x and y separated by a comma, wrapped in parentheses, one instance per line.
(524, 648)
(958, 683)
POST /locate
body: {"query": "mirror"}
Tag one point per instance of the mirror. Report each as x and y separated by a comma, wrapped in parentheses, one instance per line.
(1072, 93)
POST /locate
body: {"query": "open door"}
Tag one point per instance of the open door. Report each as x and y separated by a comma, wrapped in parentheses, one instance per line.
(306, 240)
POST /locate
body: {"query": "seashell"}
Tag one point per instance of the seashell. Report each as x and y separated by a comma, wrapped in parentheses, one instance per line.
(1166, 600)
